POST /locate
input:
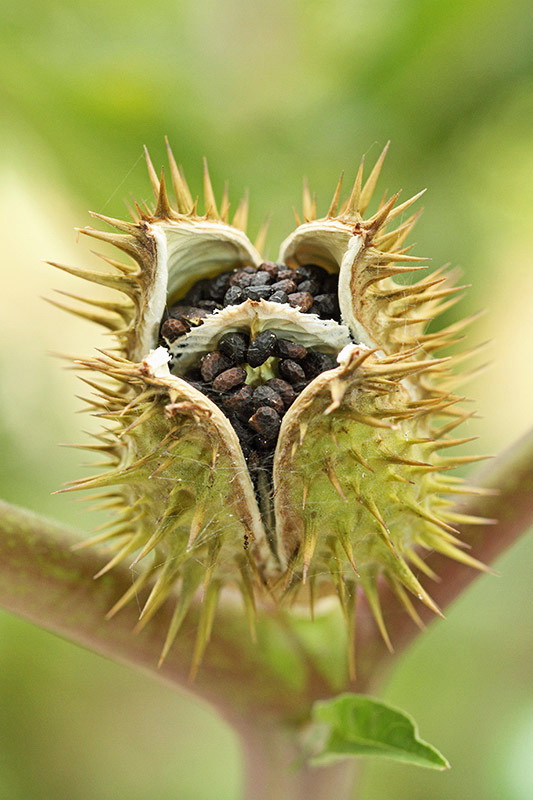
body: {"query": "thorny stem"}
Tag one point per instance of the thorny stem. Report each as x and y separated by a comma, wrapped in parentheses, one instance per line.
(44, 581)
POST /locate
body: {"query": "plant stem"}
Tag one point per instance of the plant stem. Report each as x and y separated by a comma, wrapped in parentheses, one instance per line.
(274, 770)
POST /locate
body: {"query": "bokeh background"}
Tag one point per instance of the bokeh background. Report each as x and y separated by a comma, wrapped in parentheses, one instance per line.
(269, 91)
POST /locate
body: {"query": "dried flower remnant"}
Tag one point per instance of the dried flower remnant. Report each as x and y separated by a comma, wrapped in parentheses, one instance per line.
(274, 426)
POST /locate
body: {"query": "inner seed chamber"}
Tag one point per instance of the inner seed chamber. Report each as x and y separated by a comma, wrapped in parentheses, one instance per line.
(254, 376)
(274, 427)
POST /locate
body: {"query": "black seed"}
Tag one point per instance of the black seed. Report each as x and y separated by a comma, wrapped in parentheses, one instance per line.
(327, 305)
(331, 284)
(229, 379)
(192, 314)
(260, 278)
(209, 305)
(279, 297)
(292, 371)
(285, 274)
(234, 296)
(196, 293)
(172, 329)
(314, 363)
(219, 286)
(301, 300)
(258, 292)
(271, 267)
(285, 285)
(262, 347)
(266, 396)
(284, 389)
(288, 349)
(312, 286)
(241, 279)
(306, 272)
(246, 436)
(234, 345)
(266, 422)
(240, 403)
(212, 364)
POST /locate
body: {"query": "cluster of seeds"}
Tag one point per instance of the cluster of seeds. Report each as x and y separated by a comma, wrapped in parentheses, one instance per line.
(255, 400)
(256, 407)
(309, 288)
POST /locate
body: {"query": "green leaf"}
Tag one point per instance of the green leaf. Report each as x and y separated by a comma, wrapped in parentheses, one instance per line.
(356, 725)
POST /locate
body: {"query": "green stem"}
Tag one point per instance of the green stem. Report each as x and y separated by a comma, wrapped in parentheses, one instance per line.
(274, 768)
(48, 583)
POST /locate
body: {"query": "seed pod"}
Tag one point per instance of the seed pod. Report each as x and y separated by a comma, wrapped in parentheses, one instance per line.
(351, 481)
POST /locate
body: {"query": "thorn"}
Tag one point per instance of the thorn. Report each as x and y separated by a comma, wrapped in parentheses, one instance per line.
(163, 209)
(370, 185)
(101, 319)
(404, 206)
(404, 599)
(260, 240)
(240, 220)
(151, 172)
(309, 545)
(190, 583)
(334, 480)
(118, 282)
(209, 195)
(348, 549)
(196, 527)
(371, 592)
(179, 184)
(128, 244)
(351, 207)
(332, 210)
(133, 591)
(247, 593)
(207, 615)
(372, 225)
(225, 204)
(121, 225)
(309, 208)
(129, 548)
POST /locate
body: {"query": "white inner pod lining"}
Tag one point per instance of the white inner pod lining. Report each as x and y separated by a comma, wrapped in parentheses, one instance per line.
(252, 317)
(186, 252)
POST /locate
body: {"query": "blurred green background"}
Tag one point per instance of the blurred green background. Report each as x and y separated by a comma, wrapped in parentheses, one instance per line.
(268, 91)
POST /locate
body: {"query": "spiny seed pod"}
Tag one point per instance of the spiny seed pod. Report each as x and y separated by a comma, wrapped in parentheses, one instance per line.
(275, 427)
